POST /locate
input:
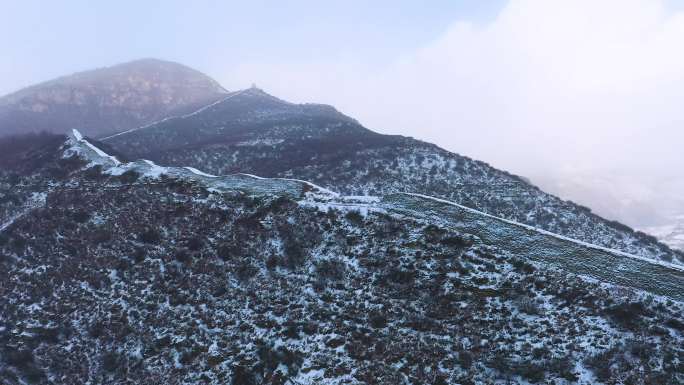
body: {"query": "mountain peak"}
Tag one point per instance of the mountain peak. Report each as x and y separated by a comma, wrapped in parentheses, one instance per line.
(238, 114)
(151, 61)
(255, 91)
(108, 100)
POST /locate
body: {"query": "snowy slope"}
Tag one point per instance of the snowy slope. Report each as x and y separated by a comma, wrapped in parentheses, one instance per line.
(604, 264)
(135, 272)
(255, 133)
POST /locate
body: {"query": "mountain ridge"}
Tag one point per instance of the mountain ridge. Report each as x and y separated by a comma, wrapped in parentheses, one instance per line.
(251, 136)
(676, 290)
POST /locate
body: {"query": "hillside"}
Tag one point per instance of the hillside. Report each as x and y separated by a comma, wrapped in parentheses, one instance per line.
(108, 100)
(133, 272)
(253, 132)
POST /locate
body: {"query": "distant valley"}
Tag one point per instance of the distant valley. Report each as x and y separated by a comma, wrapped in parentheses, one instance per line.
(654, 207)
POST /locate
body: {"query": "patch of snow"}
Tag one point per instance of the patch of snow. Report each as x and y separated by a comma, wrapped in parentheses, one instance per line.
(77, 134)
(314, 186)
(261, 142)
(200, 173)
(251, 176)
(78, 137)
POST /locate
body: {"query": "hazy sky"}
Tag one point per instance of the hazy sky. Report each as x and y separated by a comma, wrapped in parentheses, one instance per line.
(43, 39)
(537, 87)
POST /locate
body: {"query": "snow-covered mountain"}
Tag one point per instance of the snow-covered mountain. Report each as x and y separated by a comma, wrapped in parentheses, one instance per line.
(250, 131)
(324, 253)
(108, 100)
(132, 272)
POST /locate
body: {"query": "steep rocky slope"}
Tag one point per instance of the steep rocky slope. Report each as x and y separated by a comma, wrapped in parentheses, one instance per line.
(136, 273)
(108, 100)
(253, 132)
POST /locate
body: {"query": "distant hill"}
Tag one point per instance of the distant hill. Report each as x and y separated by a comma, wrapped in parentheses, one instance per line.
(253, 132)
(108, 100)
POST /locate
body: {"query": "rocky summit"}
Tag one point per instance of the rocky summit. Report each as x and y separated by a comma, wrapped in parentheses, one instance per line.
(108, 100)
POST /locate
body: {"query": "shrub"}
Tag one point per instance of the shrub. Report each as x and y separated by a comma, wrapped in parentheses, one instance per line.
(540, 352)
(640, 349)
(20, 358)
(100, 235)
(226, 251)
(150, 235)
(601, 363)
(528, 306)
(13, 179)
(182, 256)
(334, 343)
(139, 255)
(291, 331)
(628, 315)
(377, 320)
(465, 359)
(9, 197)
(71, 163)
(242, 376)
(18, 244)
(272, 262)
(48, 335)
(57, 172)
(245, 270)
(129, 176)
(401, 276)
(433, 233)
(23, 360)
(110, 361)
(564, 367)
(190, 355)
(194, 244)
(294, 253)
(310, 328)
(271, 358)
(523, 267)
(531, 371)
(421, 323)
(80, 216)
(331, 269)
(675, 324)
(646, 237)
(219, 291)
(354, 217)
(94, 173)
(34, 375)
(455, 242)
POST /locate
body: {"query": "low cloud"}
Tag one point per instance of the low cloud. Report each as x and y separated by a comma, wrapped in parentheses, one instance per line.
(547, 86)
